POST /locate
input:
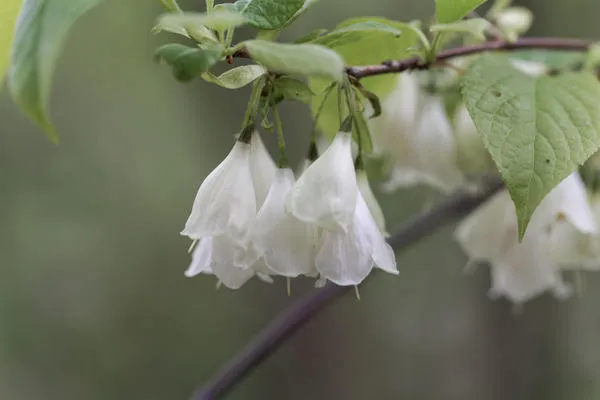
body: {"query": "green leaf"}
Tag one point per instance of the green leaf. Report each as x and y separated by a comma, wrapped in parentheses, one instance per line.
(219, 20)
(270, 14)
(355, 32)
(475, 27)
(538, 129)
(187, 62)
(237, 77)
(39, 35)
(297, 59)
(448, 11)
(8, 18)
(290, 88)
(369, 49)
(311, 36)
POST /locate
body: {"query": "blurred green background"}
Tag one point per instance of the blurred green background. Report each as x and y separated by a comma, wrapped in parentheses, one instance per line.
(93, 301)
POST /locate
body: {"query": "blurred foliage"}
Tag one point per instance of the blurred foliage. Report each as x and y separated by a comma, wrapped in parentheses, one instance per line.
(93, 301)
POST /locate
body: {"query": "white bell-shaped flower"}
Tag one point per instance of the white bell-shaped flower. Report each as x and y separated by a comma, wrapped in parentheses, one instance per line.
(346, 258)
(225, 203)
(286, 244)
(325, 194)
(431, 153)
(523, 270)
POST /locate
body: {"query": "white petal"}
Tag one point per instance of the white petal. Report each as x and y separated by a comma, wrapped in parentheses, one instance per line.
(262, 167)
(487, 232)
(285, 242)
(230, 276)
(225, 202)
(201, 258)
(381, 252)
(344, 258)
(569, 199)
(347, 259)
(325, 195)
(526, 271)
(368, 196)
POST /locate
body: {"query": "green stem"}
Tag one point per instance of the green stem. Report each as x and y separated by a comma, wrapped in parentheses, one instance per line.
(328, 90)
(210, 4)
(283, 161)
(351, 101)
(253, 103)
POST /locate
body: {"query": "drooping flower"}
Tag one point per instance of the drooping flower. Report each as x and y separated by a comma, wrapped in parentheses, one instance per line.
(415, 136)
(432, 157)
(346, 258)
(325, 194)
(524, 270)
(224, 212)
(286, 244)
(225, 203)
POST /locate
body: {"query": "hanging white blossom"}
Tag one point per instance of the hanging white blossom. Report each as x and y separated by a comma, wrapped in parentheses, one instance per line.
(523, 270)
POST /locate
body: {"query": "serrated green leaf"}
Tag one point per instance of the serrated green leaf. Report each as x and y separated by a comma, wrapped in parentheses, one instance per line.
(8, 18)
(187, 62)
(40, 31)
(270, 14)
(237, 77)
(297, 59)
(219, 20)
(538, 129)
(371, 49)
(290, 88)
(475, 27)
(448, 11)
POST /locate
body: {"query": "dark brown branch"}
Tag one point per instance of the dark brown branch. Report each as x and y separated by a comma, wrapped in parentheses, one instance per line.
(544, 43)
(291, 319)
(416, 63)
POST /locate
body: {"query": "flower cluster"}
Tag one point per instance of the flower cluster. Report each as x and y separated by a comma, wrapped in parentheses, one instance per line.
(423, 145)
(253, 218)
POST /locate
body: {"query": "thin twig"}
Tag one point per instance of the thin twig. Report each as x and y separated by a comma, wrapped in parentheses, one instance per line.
(416, 63)
(291, 319)
(544, 43)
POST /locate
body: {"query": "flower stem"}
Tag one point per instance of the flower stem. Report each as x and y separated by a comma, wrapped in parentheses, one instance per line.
(283, 161)
(253, 103)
